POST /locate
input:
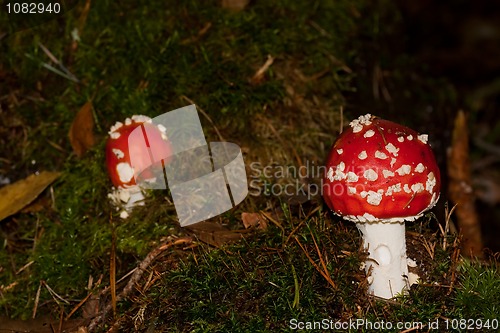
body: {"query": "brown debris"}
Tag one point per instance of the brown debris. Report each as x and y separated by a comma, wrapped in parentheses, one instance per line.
(198, 36)
(258, 77)
(136, 276)
(234, 5)
(81, 133)
(323, 270)
(460, 189)
(17, 196)
(253, 220)
(215, 234)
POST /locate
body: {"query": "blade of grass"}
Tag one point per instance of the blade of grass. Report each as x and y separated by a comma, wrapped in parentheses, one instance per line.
(296, 297)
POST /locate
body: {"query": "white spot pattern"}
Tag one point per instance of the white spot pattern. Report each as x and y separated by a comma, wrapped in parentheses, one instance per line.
(370, 175)
(387, 173)
(392, 149)
(118, 153)
(381, 155)
(372, 197)
(419, 168)
(405, 169)
(125, 172)
(431, 182)
(369, 134)
(357, 124)
(423, 138)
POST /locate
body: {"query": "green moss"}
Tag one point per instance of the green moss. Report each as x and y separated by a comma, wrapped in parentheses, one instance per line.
(146, 57)
(251, 286)
(478, 294)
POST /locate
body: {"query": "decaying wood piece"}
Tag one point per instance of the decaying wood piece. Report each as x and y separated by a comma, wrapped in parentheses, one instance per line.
(460, 189)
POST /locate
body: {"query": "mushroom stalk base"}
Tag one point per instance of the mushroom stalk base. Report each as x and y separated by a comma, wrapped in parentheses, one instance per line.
(386, 266)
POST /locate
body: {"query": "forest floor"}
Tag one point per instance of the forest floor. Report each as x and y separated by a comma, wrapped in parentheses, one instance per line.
(279, 80)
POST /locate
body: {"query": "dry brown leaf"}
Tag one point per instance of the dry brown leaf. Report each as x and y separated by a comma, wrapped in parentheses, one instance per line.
(81, 133)
(253, 220)
(20, 194)
(214, 234)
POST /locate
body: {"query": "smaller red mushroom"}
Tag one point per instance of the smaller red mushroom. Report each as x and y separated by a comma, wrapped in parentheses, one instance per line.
(128, 157)
(378, 175)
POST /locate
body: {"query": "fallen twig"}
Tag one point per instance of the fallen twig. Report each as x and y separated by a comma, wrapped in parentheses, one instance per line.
(259, 74)
(86, 297)
(454, 264)
(324, 273)
(136, 276)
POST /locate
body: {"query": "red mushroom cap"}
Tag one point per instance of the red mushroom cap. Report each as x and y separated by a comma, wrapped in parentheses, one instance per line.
(121, 147)
(378, 170)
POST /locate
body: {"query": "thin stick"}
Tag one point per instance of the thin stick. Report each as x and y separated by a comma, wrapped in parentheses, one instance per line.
(61, 320)
(112, 270)
(296, 298)
(266, 215)
(430, 248)
(323, 264)
(57, 62)
(444, 231)
(27, 265)
(323, 274)
(126, 275)
(259, 74)
(136, 276)
(304, 220)
(37, 299)
(86, 297)
(52, 68)
(205, 115)
(454, 263)
(78, 306)
(53, 293)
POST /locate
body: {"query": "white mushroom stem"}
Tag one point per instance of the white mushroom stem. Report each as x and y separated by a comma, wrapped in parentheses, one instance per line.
(126, 199)
(136, 198)
(386, 266)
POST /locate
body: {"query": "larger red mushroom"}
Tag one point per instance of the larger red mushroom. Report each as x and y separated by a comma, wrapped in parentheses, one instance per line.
(378, 175)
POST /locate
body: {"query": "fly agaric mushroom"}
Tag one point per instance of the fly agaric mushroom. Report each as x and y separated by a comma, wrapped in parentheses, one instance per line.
(378, 175)
(145, 149)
